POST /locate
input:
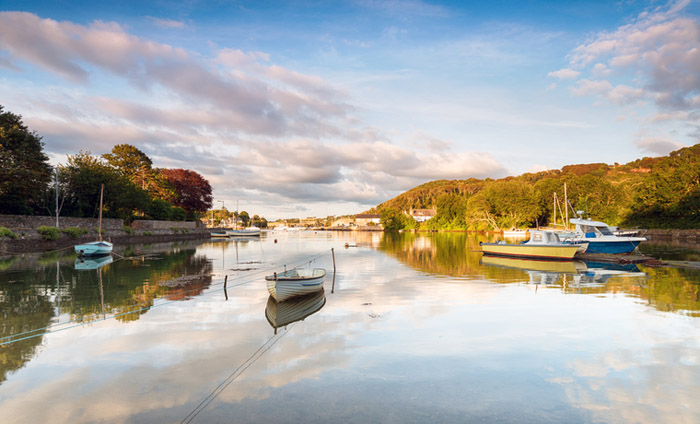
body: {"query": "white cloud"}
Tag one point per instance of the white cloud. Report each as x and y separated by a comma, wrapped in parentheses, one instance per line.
(660, 51)
(565, 73)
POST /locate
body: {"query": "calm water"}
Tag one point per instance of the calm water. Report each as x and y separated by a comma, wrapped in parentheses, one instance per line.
(410, 329)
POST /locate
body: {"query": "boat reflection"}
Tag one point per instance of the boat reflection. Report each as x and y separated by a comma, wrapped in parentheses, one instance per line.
(279, 314)
(550, 272)
(86, 263)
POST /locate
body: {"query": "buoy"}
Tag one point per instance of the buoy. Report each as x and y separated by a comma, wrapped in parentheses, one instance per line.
(347, 245)
(275, 240)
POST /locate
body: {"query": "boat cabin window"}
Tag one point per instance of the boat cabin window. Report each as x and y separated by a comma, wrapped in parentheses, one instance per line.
(537, 237)
(552, 238)
(605, 231)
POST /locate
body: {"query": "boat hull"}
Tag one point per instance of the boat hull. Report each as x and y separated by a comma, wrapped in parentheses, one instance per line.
(244, 232)
(96, 248)
(290, 284)
(612, 247)
(556, 252)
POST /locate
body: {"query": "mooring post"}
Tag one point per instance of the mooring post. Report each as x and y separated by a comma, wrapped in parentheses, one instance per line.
(333, 254)
(225, 282)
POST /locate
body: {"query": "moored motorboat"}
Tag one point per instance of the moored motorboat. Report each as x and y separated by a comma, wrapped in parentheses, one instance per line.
(543, 244)
(295, 282)
(601, 239)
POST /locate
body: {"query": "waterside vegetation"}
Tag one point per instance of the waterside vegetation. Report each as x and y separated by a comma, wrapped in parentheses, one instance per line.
(659, 192)
(134, 188)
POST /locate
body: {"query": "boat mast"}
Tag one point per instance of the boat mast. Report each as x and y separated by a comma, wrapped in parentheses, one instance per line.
(566, 208)
(99, 225)
(555, 210)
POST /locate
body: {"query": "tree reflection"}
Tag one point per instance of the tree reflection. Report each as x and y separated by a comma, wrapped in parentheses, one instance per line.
(36, 290)
(459, 255)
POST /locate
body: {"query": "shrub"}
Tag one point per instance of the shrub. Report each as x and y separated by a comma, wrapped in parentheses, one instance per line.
(147, 233)
(6, 232)
(75, 232)
(177, 214)
(48, 233)
(128, 230)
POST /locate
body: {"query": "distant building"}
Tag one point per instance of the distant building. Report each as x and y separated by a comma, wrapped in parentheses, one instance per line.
(365, 219)
(422, 215)
(344, 222)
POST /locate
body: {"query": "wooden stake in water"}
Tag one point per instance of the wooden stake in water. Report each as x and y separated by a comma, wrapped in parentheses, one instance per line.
(333, 254)
(225, 282)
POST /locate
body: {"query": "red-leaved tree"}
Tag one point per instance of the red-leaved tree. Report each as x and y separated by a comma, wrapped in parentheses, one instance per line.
(193, 192)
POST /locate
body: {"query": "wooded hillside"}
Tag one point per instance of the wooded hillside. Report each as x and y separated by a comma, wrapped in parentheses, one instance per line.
(661, 192)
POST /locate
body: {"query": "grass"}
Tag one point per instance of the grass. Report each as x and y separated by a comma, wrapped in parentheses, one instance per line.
(6, 232)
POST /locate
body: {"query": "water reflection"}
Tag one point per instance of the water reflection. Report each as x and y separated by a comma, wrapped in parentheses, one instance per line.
(280, 314)
(43, 293)
(667, 289)
(84, 263)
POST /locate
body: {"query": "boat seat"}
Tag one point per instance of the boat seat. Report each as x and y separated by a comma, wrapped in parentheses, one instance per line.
(590, 235)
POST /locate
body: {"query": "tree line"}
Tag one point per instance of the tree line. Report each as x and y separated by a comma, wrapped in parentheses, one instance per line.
(133, 187)
(660, 192)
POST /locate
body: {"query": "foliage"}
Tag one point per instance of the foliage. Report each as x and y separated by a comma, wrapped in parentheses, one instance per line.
(244, 218)
(393, 219)
(83, 177)
(451, 213)
(192, 191)
(48, 233)
(6, 232)
(130, 231)
(649, 192)
(74, 232)
(24, 168)
(137, 167)
(178, 214)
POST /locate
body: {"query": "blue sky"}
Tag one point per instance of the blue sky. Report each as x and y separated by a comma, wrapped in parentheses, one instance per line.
(316, 108)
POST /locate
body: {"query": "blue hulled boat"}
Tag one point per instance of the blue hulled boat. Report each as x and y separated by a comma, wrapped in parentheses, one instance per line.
(601, 239)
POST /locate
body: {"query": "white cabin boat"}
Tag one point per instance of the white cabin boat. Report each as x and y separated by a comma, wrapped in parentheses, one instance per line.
(601, 239)
(295, 282)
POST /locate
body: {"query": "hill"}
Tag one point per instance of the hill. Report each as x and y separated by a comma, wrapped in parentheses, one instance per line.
(656, 192)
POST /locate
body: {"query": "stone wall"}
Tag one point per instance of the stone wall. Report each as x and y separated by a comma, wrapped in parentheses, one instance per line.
(144, 224)
(27, 222)
(683, 236)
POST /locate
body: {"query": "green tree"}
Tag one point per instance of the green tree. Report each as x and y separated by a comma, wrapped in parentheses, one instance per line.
(24, 168)
(451, 213)
(138, 167)
(82, 179)
(244, 218)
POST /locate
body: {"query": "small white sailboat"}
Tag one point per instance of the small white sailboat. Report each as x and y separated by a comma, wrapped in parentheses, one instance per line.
(295, 282)
(99, 247)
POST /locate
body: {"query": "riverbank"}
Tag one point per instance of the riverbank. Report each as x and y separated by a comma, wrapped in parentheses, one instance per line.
(29, 239)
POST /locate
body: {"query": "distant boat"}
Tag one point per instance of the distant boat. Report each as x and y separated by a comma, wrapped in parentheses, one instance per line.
(279, 314)
(601, 239)
(295, 282)
(99, 247)
(219, 233)
(515, 233)
(249, 232)
(543, 244)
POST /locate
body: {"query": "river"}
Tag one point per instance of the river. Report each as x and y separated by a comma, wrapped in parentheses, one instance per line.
(410, 328)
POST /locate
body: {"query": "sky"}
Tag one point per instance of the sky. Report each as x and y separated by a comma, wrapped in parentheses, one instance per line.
(317, 108)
